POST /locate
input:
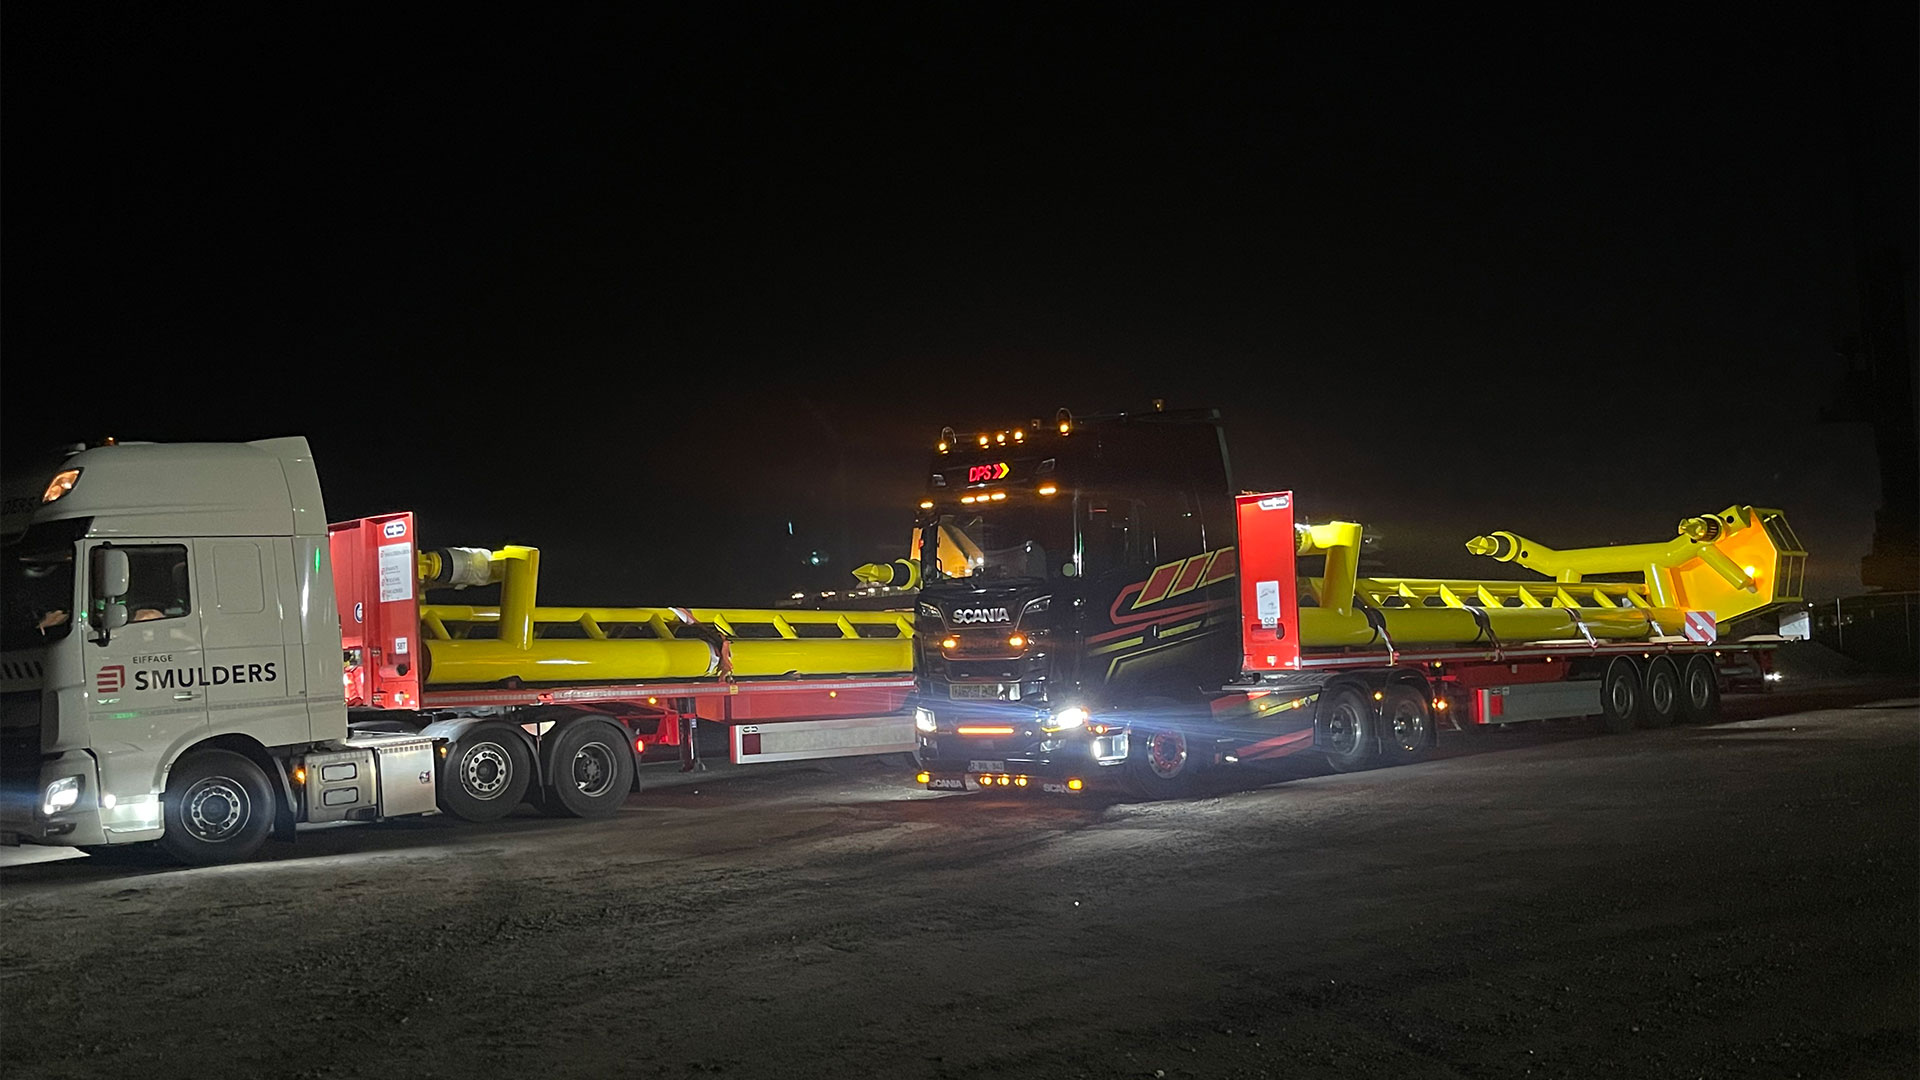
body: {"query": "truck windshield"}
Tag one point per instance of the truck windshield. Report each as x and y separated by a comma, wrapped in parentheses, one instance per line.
(37, 580)
(1014, 540)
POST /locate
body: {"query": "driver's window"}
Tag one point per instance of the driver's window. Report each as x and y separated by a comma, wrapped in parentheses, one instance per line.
(1109, 534)
(157, 586)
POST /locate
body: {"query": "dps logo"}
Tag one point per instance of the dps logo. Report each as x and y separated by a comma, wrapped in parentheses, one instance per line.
(111, 680)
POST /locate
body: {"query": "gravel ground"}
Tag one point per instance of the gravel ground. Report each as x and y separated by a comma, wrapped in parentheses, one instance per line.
(1739, 900)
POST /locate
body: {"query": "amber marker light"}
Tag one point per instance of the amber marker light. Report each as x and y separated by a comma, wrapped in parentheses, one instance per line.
(926, 504)
(1048, 489)
(63, 482)
(299, 776)
(1075, 784)
(1017, 641)
(922, 778)
(950, 643)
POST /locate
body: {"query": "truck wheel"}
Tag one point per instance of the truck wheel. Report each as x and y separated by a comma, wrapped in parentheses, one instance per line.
(1663, 693)
(485, 773)
(1620, 696)
(1163, 765)
(1345, 729)
(590, 770)
(218, 808)
(1407, 725)
(1699, 691)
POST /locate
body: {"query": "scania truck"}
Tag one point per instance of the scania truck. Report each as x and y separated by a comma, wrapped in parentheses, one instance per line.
(194, 656)
(1099, 603)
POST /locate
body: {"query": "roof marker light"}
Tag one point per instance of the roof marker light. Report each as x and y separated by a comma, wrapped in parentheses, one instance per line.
(1048, 489)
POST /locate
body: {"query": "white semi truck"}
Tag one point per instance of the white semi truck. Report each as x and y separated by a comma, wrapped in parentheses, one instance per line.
(194, 656)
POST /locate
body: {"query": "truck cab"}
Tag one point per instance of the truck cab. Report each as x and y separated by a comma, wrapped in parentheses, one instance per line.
(1068, 569)
(161, 601)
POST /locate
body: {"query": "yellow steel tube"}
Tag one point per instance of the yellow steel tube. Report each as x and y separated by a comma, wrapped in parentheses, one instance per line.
(486, 660)
(1328, 627)
(518, 570)
(1339, 541)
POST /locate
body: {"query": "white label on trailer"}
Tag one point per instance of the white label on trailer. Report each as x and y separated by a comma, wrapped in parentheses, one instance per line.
(396, 572)
(1266, 602)
(400, 646)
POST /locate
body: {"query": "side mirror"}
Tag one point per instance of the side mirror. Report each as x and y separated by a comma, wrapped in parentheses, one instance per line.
(107, 586)
(111, 574)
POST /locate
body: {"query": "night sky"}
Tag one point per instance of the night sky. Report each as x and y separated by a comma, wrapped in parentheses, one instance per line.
(643, 290)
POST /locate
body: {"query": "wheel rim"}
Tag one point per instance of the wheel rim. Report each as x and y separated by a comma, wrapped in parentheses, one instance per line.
(216, 809)
(486, 770)
(1699, 687)
(1660, 690)
(593, 769)
(1409, 727)
(1621, 695)
(1343, 731)
(1166, 754)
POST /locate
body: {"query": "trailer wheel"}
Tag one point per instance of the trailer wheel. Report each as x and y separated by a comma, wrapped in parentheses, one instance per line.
(1663, 693)
(1407, 719)
(1345, 724)
(218, 808)
(1699, 691)
(485, 773)
(589, 770)
(1620, 696)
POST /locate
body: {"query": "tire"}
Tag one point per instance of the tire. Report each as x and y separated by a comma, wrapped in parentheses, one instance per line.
(218, 808)
(589, 770)
(1663, 693)
(1345, 729)
(1406, 725)
(1163, 764)
(1620, 697)
(485, 773)
(1699, 691)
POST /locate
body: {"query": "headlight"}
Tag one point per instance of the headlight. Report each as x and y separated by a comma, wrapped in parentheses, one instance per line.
(923, 720)
(1070, 717)
(929, 611)
(1036, 606)
(61, 794)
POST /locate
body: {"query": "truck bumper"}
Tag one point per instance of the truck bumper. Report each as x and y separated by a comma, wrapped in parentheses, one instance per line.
(25, 819)
(954, 762)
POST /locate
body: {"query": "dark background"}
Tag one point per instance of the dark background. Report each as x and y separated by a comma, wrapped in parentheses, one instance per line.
(645, 291)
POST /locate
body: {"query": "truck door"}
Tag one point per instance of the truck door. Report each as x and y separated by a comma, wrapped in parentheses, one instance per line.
(251, 686)
(147, 693)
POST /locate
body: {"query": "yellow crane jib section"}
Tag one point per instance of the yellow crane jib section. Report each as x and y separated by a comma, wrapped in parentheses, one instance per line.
(521, 640)
(1733, 563)
(1742, 560)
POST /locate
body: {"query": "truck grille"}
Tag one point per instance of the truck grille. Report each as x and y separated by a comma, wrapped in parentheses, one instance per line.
(18, 673)
(19, 746)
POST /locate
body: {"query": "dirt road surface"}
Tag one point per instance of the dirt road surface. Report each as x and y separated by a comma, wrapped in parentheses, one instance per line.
(1737, 900)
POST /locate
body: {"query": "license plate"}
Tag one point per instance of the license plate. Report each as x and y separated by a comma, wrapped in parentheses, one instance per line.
(947, 783)
(985, 692)
(987, 766)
